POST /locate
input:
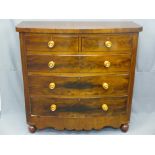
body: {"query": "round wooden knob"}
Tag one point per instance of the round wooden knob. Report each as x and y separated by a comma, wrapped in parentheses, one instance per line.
(105, 107)
(51, 64)
(107, 64)
(52, 85)
(51, 44)
(105, 85)
(108, 44)
(53, 107)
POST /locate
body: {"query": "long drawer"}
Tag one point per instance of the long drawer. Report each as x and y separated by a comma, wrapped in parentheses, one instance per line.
(79, 63)
(116, 85)
(78, 107)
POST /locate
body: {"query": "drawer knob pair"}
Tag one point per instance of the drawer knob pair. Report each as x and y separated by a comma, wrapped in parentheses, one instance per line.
(51, 64)
(51, 44)
(108, 44)
(53, 107)
(104, 85)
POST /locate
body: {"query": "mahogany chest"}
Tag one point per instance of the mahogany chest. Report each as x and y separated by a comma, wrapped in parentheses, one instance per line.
(78, 75)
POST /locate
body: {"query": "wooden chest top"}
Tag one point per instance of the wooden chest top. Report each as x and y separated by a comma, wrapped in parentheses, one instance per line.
(77, 27)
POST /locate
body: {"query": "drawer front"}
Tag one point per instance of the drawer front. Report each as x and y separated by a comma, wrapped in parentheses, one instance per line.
(55, 64)
(107, 43)
(78, 107)
(79, 86)
(73, 64)
(61, 43)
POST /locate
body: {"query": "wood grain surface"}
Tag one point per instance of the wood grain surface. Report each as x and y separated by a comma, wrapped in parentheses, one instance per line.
(78, 27)
(79, 86)
(78, 107)
(96, 43)
(79, 63)
(62, 43)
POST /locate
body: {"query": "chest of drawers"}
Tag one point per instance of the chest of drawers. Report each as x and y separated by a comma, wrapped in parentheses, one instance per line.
(78, 75)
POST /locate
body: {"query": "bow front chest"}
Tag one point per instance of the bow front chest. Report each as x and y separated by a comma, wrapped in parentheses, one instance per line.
(78, 75)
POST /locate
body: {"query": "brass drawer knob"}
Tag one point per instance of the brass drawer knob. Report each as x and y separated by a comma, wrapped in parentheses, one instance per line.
(53, 107)
(52, 85)
(108, 44)
(51, 44)
(107, 64)
(105, 107)
(51, 64)
(105, 85)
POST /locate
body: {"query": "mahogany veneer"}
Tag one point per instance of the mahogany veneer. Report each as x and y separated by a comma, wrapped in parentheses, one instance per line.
(78, 75)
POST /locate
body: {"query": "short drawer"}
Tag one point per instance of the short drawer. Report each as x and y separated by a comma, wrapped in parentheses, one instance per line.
(116, 85)
(105, 43)
(78, 107)
(51, 43)
(82, 63)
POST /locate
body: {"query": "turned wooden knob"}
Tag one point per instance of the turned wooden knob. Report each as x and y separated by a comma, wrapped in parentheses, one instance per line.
(105, 107)
(105, 85)
(51, 44)
(107, 64)
(51, 64)
(108, 44)
(51, 85)
(53, 107)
